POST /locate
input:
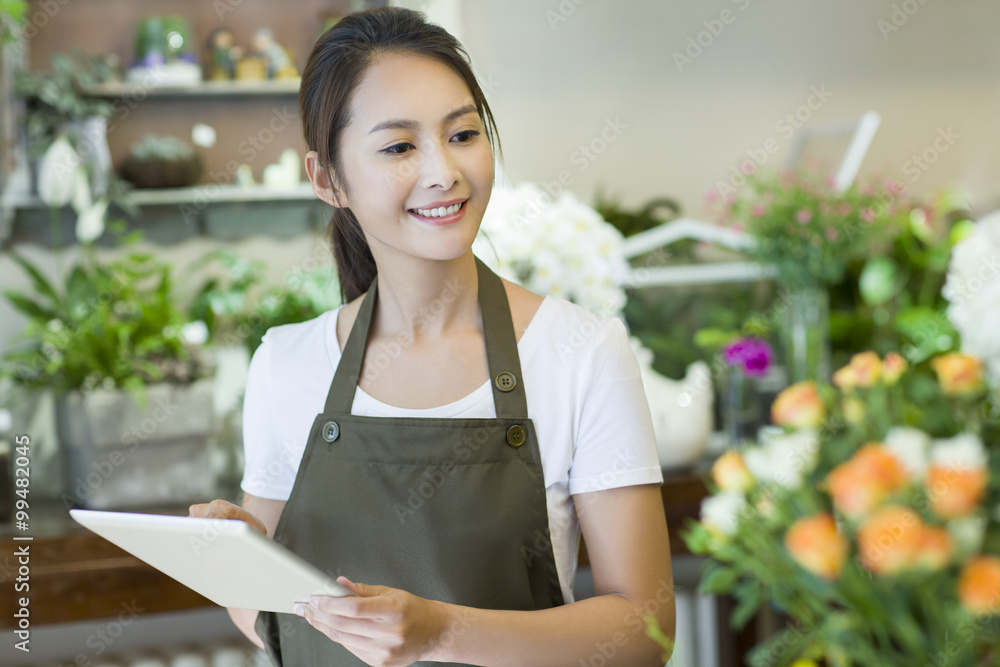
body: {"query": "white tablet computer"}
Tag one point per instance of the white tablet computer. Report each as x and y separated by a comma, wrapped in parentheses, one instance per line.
(225, 560)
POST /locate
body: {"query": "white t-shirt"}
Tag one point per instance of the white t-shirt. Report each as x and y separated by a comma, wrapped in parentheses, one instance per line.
(584, 394)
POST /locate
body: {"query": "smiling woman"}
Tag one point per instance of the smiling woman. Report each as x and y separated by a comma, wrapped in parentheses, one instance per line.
(423, 474)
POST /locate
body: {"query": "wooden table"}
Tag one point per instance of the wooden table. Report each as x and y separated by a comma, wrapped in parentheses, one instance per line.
(77, 575)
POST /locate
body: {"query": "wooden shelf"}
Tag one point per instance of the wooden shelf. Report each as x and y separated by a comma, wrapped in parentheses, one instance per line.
(203, 89)
(205, 192)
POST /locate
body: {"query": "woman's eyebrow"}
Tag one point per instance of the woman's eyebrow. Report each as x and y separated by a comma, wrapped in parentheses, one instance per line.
(399, 124)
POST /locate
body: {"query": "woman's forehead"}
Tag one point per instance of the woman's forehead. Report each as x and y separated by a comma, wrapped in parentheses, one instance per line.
(411, 88)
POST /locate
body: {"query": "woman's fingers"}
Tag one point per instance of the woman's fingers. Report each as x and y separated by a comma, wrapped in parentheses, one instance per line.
(223, 509)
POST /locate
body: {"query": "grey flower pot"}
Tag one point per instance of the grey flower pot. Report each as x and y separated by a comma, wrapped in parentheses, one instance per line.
(119, 455)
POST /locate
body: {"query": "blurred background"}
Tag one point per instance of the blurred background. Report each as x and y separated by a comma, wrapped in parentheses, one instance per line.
(151, 170)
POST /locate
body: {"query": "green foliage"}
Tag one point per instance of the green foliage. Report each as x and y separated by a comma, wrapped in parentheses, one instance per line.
(13, 14)
(58, 97)
(113, 325)
(239, 308)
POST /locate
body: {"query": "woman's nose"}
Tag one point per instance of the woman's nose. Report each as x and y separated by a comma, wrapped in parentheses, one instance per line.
(439, 168)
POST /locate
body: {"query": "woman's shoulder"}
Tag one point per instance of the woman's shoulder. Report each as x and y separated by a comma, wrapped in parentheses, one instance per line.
(300, 336)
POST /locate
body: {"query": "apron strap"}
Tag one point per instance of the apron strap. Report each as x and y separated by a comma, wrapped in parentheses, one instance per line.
(501, 350)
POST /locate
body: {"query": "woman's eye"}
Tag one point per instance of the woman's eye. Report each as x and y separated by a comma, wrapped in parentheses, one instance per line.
(469, 134)
(391, 150)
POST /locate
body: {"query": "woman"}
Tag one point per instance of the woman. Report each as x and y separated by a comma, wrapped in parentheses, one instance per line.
(457, 501)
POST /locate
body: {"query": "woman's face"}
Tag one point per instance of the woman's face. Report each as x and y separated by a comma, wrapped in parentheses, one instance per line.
(415, 141)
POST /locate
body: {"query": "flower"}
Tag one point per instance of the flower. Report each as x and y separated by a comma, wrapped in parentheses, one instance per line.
(753, 355)
(972, 289)
(799, 406)
(893, 367)
(804, 216)
(959, 374)
(910, 446)
(854, 410)
(889, 541)
(864, 370)
(720, 513)
(815, 544)
(936, 548)
(784, 459)
(90, 223)
(194, 333)
(57, 173)
(979, 585)
(561, 248)
(862, 483)
(957, 476)
(730, 472)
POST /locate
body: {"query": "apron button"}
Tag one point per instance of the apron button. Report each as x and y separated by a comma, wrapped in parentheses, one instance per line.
(331, 431)
(505, 381)
(516, 435)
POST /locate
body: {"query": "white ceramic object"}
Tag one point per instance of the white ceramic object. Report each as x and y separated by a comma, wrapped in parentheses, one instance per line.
(681, 410)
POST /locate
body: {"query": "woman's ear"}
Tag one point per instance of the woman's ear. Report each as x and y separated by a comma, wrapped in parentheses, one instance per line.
(322, 184)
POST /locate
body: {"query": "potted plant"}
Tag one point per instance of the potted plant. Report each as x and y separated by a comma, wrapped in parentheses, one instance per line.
(59, 106)
(162, 162)
(133, 395)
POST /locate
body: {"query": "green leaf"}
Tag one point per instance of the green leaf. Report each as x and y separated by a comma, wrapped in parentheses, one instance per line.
(29, 307)
(719, 579)
(42, 285)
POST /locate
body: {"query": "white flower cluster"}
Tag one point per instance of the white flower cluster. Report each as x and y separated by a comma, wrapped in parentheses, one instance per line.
(562, 248)
(973, 291)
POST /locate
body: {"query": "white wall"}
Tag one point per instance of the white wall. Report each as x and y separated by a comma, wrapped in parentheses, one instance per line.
(555, 82)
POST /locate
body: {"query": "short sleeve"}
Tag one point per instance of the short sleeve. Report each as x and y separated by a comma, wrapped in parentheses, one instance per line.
(614, 443)
(265, 473)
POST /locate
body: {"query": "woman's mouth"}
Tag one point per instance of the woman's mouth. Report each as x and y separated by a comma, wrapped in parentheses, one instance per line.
(444, 215)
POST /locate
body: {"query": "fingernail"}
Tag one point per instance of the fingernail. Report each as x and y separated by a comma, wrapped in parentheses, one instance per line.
(314, 600)
(299, 608)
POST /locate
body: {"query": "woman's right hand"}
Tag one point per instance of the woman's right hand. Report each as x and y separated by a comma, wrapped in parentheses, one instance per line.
(222, 509)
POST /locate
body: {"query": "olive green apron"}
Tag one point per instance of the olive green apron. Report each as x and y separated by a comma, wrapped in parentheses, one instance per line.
(446, 509)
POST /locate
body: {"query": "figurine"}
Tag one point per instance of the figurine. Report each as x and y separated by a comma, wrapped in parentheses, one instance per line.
(223, 54)
(279, 65)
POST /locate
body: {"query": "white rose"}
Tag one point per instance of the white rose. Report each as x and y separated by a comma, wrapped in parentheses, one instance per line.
(722, 511)
(785, 458)
(910, 446)
(965, 451)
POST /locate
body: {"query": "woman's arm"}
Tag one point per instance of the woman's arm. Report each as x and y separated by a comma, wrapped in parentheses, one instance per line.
(267, 512)
(626, 533)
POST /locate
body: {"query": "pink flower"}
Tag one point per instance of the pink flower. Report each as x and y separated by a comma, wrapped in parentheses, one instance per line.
(804, 216)
(844, 208)
(711, 196)
(831, 234)
(757, 210)
(867, 214)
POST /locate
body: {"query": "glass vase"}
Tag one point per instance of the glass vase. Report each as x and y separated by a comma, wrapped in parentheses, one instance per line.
(740, 408)
(805, 333)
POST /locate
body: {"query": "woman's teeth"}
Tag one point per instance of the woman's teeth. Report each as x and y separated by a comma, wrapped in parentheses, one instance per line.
(439, 212)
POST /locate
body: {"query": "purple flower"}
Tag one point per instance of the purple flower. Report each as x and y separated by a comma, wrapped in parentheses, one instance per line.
(753, 355)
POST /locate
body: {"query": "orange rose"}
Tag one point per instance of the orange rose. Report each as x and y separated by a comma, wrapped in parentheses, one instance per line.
(935, 548)
(814, 543)
(845, 379)
(854, 410)
(799, 406)
(730, 473)
(953, 491)
(889, 542)
(979, 585)
(861, 483)
(893, 367)
(867, 368)
(959, 374)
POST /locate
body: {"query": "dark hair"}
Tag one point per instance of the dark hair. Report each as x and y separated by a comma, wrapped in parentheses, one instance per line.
(335, 68)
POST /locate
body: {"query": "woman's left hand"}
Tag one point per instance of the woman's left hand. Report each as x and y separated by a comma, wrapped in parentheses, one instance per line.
(383, 626)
